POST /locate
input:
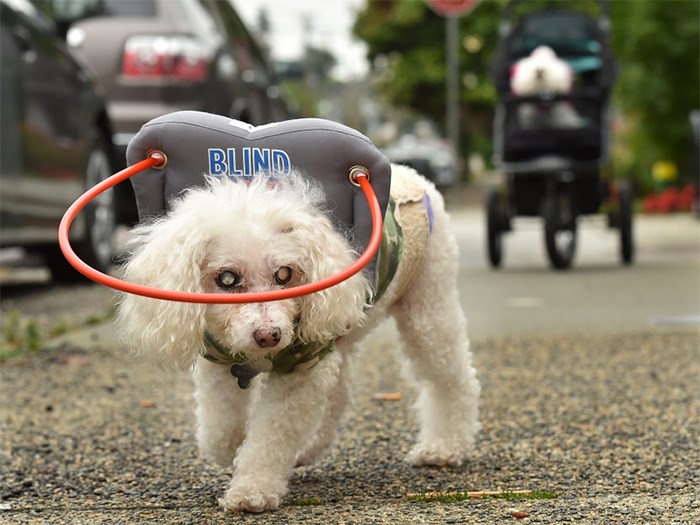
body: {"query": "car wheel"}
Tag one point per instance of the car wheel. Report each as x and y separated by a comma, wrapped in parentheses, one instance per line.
(95, 246)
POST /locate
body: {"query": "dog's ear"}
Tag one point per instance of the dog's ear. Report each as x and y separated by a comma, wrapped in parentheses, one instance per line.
(335, 311)
(166, 333)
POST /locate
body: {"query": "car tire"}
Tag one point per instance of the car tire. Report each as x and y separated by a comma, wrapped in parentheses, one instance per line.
(95, 246)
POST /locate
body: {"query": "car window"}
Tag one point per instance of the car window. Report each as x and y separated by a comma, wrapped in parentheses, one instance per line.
(68, 11)
(29, 12)
(129, 8)
(247, 51)
(201, 18)
(23, 6)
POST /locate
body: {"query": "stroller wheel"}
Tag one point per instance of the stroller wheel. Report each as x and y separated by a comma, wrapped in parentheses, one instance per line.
(559, 230)
(494, 227)
(626, 203)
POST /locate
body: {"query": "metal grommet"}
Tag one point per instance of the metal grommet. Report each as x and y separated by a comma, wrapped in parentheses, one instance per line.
(157, 154)
(355, 172)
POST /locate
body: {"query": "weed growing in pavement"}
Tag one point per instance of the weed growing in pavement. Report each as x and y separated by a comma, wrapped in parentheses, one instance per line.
(535, 494)
(59, 328)
(305, 502)
(456, 497)
(96, 319)
(20, 336)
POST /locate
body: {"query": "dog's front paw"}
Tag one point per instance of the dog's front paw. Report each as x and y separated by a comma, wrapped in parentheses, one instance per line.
(439, 453)
(249, 499)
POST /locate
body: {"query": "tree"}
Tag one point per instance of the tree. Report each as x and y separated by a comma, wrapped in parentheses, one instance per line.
(656, 43)
(319, 63)
(406, 46)
(658, 47)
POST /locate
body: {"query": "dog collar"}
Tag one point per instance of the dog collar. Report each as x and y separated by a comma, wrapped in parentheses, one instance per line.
(297, 356)
(300, 355)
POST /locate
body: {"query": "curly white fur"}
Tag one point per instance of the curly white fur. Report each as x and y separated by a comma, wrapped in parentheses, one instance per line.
(288, 419)
(543, 73)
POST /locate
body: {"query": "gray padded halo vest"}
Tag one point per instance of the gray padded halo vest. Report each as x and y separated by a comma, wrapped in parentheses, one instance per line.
(197, 143)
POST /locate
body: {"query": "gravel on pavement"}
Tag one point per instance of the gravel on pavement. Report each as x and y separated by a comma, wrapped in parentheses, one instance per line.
(608, 423)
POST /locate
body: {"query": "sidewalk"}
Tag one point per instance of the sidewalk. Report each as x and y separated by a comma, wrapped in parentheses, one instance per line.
(606, 419)
(608, 424)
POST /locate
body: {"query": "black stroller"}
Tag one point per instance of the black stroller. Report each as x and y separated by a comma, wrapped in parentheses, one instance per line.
(550, 169)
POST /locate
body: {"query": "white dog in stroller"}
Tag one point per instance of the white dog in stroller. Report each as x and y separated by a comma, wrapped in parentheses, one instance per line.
(545, 75)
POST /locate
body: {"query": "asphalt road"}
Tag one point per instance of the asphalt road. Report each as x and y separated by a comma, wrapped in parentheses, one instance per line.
(589, 382)
(599, 294)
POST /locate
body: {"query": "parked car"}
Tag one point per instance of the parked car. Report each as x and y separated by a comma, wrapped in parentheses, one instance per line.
(55, 138)
(157, 56)
(424, 151)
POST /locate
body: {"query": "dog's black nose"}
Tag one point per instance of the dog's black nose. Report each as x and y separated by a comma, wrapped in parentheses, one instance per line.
(266, 337)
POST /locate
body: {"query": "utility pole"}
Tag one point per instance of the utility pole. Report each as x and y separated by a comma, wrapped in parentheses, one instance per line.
(452, 10)
(452, 109)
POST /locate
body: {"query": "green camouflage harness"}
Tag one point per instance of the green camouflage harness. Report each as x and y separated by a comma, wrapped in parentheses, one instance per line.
(302, 356)
(285, 361)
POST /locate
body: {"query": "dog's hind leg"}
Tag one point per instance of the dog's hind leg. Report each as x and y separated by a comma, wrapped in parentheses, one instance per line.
(434, 333)
(222, 409)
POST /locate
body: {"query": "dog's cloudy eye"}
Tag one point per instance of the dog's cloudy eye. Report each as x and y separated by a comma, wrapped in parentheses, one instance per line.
(227, 279)
(283, 275)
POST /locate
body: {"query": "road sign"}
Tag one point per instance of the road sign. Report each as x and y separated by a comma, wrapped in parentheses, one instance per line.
(452, 7)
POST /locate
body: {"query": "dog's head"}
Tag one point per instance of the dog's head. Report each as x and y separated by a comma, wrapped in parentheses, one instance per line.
(232, 237)
(541, 72)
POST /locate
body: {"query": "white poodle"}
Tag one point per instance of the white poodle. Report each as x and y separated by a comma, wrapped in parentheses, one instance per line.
(272, 378)
(545, 75)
